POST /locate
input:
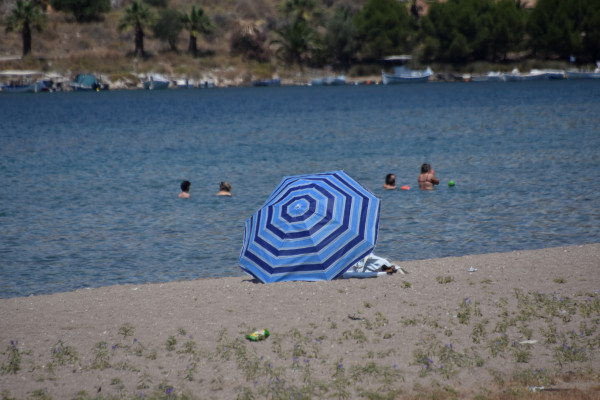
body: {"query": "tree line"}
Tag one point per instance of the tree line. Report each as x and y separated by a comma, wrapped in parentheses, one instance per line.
(305, 33)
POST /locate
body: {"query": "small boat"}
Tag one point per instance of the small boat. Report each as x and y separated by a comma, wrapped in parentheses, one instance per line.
(267, 82)
(87, 83)
(404, 75)
(534, 75)
(491, 76)
(580, 74)
(185, 83)
(583, 74)
(23, 82)
(339, 80)
(156, 82)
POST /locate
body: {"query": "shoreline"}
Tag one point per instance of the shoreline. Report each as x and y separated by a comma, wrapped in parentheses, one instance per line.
(438, 327)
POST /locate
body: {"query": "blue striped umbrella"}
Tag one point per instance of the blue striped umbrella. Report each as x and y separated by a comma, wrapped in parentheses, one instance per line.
(312, 227)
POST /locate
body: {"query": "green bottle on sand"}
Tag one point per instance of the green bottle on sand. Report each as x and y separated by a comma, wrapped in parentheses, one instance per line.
(258, 335)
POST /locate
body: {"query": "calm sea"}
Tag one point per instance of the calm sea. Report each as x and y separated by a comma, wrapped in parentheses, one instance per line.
(89, 181)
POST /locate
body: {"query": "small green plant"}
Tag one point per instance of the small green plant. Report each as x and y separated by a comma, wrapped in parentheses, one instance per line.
(532, 377)
(116, 381)
(171, 342)
(190, 370)
(521, 353)
(189, 347)
(444, 279)
(63, 354)
(181, 332)
(405, 285)
(359, 336)
(126, 330)
(14, 358)
(498, 345)
(464, 311)
(41, 394)
(479, 331)
(559, 280)
(101, 356)
(367, 304)
(569, 352)
(422, 359)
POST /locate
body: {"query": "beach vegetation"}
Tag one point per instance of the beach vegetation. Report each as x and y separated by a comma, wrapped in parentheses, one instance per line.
(522, 353)
(559, 280)
(170, 343)
(6, 395)
(63, 354)
(101, 356)
(13, 365)
(41, 394)
(443, 279)
(479, 331)
(126, 330)
(405, 285)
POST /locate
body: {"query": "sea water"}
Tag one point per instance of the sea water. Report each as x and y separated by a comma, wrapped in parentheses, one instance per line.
(89, 181)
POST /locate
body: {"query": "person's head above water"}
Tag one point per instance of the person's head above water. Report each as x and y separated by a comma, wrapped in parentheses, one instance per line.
(185, 186)
(390, 179)
(225, 186)
(425, 168)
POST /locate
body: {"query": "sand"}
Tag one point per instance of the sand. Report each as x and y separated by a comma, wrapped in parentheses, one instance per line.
(522, 321)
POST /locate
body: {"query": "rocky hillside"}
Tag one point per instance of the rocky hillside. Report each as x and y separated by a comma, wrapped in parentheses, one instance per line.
(68, 47)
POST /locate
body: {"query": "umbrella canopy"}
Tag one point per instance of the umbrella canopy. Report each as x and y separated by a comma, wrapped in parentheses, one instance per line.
(312, 227)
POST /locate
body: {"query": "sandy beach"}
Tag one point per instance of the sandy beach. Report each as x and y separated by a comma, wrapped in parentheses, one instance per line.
(520, 322)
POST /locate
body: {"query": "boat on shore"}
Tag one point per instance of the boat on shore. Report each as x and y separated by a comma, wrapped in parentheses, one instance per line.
(403, 74)
(581, 74)
(22, 82)
(87, 83)
(491, 76)
(339, 80)
(156, 82)
(267, 82)
(534, 74)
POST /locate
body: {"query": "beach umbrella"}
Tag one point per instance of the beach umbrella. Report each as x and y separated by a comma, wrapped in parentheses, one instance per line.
(312, 227)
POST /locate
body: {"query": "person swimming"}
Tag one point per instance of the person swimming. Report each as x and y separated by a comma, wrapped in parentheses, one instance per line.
(390, 182)
(224, 189)
(427, 178)
(185, 190)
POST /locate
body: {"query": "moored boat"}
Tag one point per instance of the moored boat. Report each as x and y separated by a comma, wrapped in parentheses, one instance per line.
(267, 82)
(22, 82)
(404, 75)
(581, 74)
(156, 82)
(534, 74)
(491, 76)
(401, 73)
(339, 80)
(87, 83)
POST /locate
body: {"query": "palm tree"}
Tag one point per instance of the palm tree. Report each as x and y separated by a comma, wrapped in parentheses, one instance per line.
(296, 42)
(137, 15)
(25, 16)
(196, 22)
